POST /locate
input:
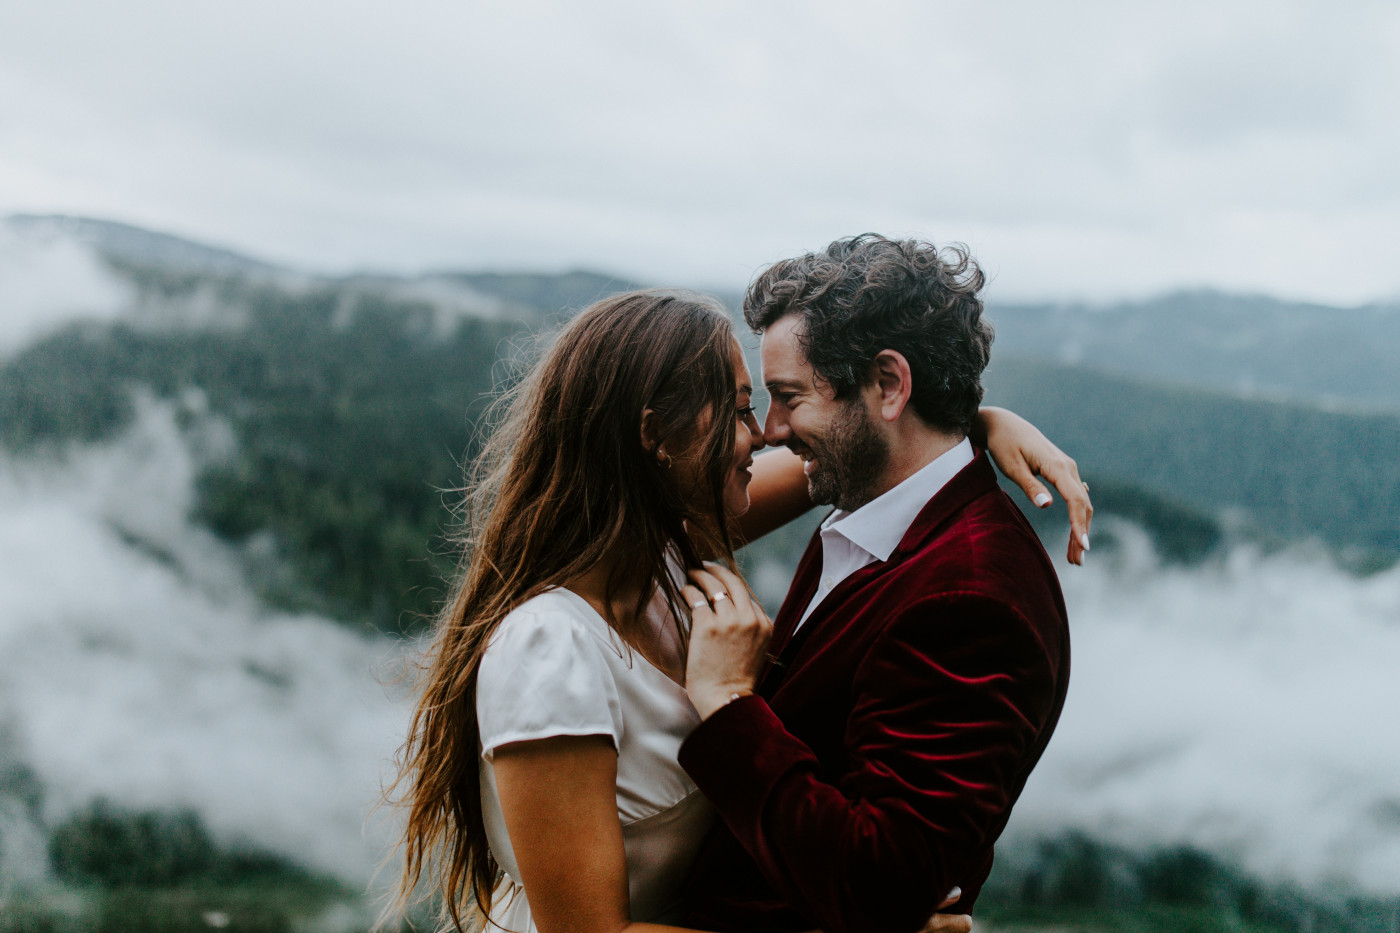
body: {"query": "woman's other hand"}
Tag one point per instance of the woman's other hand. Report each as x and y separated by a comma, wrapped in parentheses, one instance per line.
(729, 634)
(943, 923)
(1022, 453)
(949, 923)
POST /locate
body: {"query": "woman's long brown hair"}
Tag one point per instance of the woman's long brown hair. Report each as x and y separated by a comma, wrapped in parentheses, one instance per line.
(565, 480)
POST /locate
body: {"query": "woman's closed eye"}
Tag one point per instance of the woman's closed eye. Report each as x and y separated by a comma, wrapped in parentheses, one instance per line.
(745, 411)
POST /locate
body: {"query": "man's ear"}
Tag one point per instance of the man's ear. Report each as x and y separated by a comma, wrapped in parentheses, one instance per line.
(892, 385)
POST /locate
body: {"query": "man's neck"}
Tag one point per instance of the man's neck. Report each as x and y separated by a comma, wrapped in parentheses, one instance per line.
(911, 451)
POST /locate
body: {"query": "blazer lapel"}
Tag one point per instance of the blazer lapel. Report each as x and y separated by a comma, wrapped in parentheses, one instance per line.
(974, 480)
(804, 585)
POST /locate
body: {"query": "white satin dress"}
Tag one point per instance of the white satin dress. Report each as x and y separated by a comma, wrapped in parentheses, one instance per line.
(554, 667)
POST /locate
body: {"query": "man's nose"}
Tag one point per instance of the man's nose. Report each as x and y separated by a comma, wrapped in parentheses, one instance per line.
(775, 428)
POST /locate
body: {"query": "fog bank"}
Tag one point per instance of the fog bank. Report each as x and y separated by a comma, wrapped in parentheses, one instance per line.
(1246, 707)
(134, 664)
(47, 282)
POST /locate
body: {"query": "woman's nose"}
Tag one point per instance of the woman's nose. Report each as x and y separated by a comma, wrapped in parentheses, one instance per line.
(755, 430)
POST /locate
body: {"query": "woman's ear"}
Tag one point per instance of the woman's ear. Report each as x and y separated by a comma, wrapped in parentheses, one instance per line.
(651, 434)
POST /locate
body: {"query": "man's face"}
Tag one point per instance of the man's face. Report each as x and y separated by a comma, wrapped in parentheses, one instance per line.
(844, 451)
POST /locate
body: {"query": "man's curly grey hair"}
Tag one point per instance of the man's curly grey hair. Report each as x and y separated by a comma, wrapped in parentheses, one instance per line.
(866, 294)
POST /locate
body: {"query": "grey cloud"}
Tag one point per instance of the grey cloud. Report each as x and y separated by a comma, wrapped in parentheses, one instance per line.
(692, 144)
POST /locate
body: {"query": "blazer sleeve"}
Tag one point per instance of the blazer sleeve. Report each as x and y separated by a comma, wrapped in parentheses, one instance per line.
(946, 705)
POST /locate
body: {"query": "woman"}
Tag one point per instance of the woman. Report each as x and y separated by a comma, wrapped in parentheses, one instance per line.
(625, 457)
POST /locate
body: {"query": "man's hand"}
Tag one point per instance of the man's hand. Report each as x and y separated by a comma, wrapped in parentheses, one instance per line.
(949, 923)
(729, 633)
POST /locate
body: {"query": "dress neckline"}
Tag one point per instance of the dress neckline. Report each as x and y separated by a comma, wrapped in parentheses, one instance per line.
(593, 611)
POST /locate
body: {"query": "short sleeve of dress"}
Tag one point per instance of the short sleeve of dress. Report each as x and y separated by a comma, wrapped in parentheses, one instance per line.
(544, 674)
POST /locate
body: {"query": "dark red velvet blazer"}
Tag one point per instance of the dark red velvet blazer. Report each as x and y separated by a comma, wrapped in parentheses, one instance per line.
(888, 741)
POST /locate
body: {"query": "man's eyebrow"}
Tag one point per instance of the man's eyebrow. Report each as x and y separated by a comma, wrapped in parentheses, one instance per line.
(782, 384)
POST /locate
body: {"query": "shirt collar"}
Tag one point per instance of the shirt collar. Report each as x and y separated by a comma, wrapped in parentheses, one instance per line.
(878, 526)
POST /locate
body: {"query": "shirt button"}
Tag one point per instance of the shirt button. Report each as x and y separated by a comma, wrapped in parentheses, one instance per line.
(828, 583)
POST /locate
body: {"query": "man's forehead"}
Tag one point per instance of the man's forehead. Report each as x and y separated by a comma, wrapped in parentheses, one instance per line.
(780, 350)
(786, 328)
(743, 379)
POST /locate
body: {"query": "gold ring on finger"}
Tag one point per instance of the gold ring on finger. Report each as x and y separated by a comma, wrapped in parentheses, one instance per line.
(718, 596)
(699, 604)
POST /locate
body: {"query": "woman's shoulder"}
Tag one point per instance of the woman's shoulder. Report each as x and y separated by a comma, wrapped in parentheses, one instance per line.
(548, 670)
(547, 635)
(554, 615)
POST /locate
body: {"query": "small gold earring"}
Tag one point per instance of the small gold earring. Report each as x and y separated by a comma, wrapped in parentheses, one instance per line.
(664, 459)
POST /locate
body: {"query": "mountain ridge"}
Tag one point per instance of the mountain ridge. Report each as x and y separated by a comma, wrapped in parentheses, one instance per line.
(1244, 344)
(353, 400)
(117, 240)
(538, 293)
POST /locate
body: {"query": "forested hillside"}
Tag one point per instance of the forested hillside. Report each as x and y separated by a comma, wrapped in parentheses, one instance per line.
(352, 406)
(1290, 471)
(352, 414)
(1247, 344)
(305, 434)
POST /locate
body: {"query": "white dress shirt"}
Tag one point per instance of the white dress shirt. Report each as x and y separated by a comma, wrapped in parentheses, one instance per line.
(852, 540)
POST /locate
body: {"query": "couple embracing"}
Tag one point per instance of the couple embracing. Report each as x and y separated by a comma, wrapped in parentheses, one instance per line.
(612, 735)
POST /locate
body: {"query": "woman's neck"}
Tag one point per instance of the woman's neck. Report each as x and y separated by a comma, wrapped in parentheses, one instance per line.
(654, 637)
(620, 605)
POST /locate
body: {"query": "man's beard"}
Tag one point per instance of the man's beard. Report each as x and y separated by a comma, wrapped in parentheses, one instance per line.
(851, 457)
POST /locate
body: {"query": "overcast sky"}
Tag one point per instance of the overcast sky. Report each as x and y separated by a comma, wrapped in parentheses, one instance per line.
(1091, 150)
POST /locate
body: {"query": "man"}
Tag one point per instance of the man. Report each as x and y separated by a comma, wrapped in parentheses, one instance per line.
(920, 660)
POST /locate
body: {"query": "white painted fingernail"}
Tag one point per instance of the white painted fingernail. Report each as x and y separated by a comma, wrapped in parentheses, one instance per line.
(1084, 540)
(1043, 499)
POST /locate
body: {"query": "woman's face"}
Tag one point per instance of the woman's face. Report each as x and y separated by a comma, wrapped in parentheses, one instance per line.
(748, 437)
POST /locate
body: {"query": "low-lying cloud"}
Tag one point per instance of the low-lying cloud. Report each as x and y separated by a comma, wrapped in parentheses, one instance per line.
(135, 666)
(1245, 707)
(48, 282)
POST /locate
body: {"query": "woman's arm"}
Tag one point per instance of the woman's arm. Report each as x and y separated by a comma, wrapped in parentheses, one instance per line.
(778, 493)
(1023, 453)
(559, 798)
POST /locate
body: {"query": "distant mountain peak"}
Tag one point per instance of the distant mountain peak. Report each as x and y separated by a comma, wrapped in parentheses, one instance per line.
(123, 242)
(547, 293)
